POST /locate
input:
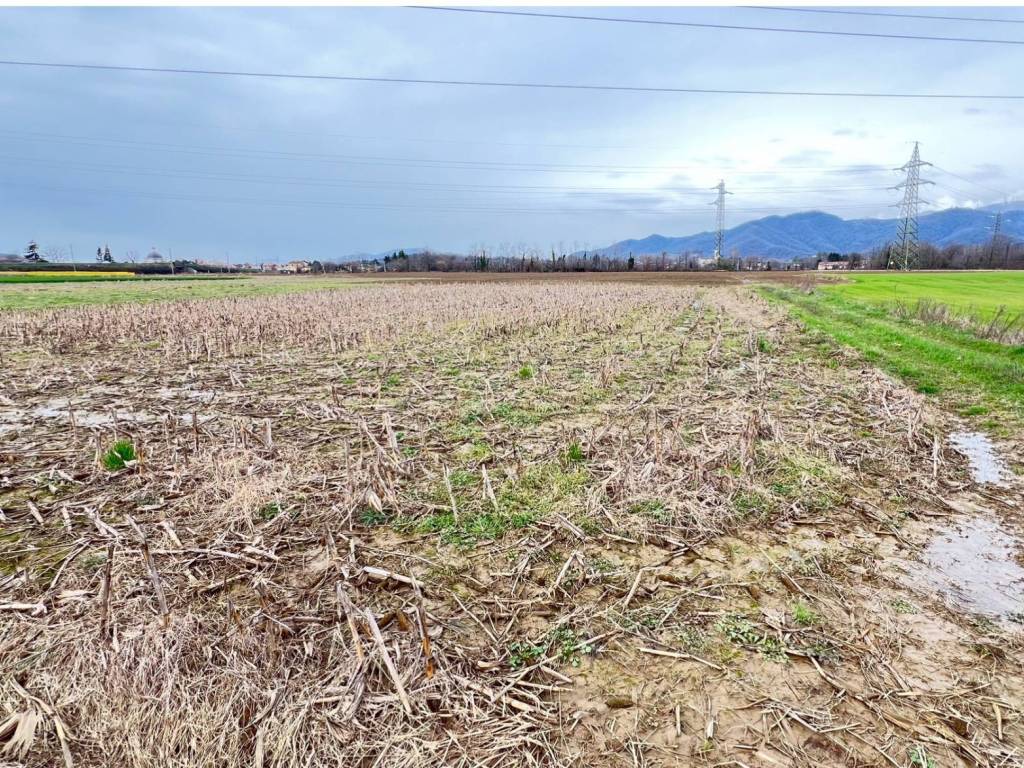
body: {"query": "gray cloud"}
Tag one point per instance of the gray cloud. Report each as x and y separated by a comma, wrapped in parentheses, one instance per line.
(260, 168)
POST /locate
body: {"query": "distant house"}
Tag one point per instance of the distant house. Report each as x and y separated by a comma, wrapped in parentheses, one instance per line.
(829, 265)
(363, 266)
(295, 267)
(268, 267)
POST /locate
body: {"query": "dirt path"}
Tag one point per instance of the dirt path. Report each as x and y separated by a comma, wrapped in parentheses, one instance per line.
(570, 524)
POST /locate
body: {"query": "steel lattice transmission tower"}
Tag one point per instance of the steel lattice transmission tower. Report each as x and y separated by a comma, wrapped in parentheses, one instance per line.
(720, 220)
(905, 256)
(994, 243)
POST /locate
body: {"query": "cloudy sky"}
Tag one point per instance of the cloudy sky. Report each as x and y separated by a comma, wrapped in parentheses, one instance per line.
(273, 169)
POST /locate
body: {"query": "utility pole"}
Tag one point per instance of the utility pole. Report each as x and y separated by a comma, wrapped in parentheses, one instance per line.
(905, 256)
(720, 221)
(996, 225)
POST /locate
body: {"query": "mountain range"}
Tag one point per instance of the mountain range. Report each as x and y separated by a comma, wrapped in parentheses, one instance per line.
(811, 232)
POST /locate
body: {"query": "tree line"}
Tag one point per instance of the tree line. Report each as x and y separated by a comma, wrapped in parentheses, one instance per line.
(482, 259)
(1000, 253)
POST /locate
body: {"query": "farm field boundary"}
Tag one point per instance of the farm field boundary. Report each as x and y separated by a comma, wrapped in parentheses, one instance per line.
(973, 376)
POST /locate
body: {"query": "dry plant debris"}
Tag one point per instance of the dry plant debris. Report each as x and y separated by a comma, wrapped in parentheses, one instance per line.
(529, 523)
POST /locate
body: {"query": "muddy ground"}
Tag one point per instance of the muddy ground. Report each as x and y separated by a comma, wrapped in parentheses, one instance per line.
(529, 523)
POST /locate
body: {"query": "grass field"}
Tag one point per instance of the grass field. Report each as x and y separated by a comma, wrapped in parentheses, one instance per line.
(519, 523)
(55, 276)
(44, 294)
(970, 292)
(975, 377)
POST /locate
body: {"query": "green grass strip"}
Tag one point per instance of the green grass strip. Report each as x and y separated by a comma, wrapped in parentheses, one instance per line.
(973, 375)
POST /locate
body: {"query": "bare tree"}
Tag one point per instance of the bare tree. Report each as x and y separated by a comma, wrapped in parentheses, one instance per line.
(55, 253)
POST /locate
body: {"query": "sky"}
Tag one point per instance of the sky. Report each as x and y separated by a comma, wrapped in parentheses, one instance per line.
(256, 169)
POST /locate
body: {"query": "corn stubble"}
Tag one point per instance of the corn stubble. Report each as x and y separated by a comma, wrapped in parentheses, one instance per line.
(357, 534)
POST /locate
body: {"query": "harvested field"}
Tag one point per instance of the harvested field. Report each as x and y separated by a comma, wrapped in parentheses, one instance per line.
(53, 293)
(527, 523)
(698, 278)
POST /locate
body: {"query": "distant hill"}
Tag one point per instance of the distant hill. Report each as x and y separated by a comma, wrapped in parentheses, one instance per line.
(811, 232)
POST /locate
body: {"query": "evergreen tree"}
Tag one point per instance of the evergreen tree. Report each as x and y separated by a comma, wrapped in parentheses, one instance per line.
(106, 255)
(32, 251)
(631, 263)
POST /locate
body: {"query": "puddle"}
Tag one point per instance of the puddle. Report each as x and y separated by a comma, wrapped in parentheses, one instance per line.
(986, 466)
(18, 420)
(89, 418)
(973, 565)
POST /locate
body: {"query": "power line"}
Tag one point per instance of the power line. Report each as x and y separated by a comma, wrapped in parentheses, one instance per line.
(705, 25)
(1000, 192)
(84, 192)
(188, 174)
(884, 15)
(487, 165)
(510, 84)
(386, 138)
(428, 163)
(955, 190)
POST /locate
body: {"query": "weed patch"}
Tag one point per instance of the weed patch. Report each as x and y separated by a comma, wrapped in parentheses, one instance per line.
(119, 456)
(804, 616)
(268, 511)
(740, 631)
(564, 643)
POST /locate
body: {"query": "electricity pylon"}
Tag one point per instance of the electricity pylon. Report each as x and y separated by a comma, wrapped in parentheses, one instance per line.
(905, 256)
(996, 226)
(720, 221)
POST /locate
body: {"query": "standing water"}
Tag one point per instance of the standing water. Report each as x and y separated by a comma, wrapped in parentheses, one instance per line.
(986, 467)
(973, 564)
